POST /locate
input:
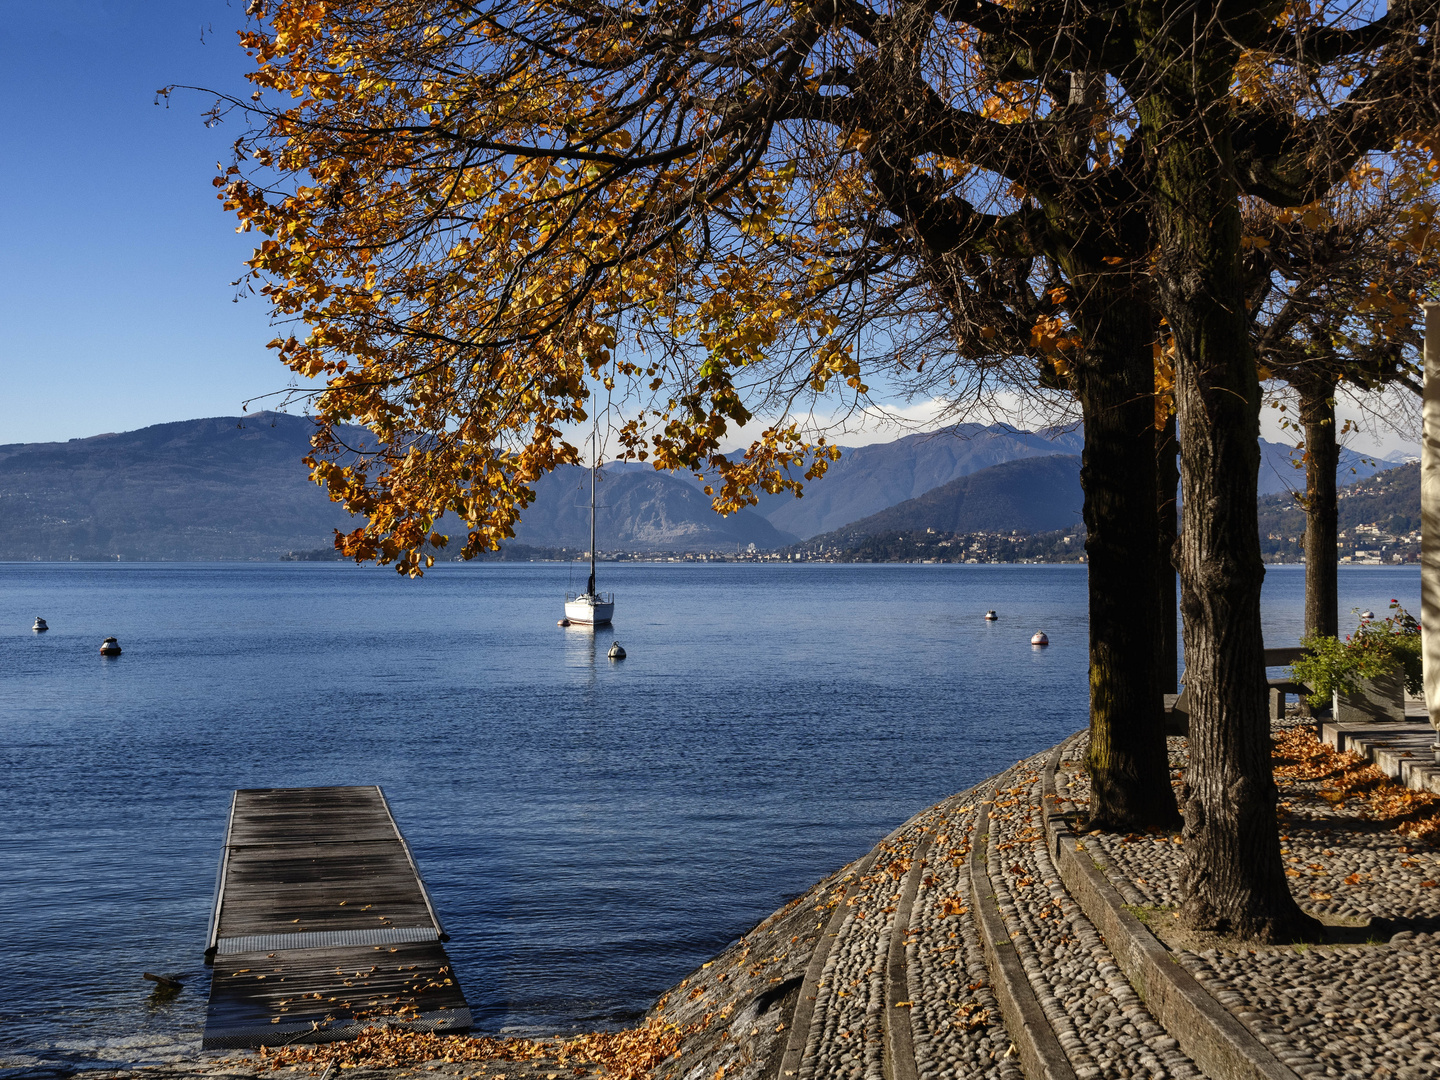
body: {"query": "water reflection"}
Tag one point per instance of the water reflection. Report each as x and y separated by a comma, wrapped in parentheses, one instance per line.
(585, 646)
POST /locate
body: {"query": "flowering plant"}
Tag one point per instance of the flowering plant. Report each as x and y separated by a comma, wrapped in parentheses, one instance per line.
(1376, 648)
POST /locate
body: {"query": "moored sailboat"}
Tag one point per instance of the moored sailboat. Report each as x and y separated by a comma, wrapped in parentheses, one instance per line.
(590, 608)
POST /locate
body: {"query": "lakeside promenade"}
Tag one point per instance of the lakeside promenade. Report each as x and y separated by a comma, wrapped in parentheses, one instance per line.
(986, 937)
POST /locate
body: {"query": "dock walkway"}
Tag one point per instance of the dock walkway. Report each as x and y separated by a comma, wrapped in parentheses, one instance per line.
(319, 899)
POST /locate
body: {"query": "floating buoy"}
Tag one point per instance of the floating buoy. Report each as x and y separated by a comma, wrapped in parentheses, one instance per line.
(563, 622)
(617, 651)
(39, 626)
(110, 647)
(990, 615)
(1039, 638)
(1367, 614)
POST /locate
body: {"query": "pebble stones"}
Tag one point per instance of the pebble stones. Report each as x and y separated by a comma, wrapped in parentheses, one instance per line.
(1100, 1021)
(1349, 1010)
(955, 1018)
(846, 1039)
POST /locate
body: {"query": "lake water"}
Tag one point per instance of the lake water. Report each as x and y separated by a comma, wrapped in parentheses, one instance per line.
(590, 831)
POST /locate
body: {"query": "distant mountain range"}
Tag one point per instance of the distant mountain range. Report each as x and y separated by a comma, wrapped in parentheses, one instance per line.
(1031, 495)
(234, 488)
(638, 509)
(223, 488)
(867, 479)
(1389, 501)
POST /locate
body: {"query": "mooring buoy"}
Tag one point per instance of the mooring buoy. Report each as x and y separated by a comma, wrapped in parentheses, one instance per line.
(110, 647)
(1039, 638)
(617, 651)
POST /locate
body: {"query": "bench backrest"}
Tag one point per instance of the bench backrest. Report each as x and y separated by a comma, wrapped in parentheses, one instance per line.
(1282, 656)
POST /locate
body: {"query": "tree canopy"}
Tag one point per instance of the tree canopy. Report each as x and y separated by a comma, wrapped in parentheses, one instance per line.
(466, 203)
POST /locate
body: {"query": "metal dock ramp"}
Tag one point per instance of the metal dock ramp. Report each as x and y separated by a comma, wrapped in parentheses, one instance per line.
(322, 926)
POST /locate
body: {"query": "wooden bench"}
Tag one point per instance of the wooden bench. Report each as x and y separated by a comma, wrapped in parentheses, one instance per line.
(1284, 657)
(1177, 706)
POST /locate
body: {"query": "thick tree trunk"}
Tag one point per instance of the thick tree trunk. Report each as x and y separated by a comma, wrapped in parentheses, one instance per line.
(1322, 461)
(1129, 772)
(1167, 638)
(1234, 879)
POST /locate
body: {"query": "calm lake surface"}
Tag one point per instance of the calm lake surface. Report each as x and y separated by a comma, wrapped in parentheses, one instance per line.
(590, 831)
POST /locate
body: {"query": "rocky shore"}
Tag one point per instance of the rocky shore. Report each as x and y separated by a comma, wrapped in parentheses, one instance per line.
(992, 936)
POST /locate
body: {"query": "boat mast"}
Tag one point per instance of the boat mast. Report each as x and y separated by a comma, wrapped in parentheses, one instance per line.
(591, 588)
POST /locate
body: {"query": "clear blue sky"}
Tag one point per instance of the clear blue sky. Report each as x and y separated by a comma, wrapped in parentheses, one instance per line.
(115, 303)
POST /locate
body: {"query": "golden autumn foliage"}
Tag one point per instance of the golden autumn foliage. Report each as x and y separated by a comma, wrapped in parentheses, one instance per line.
(629, 1054)
(469, 226)
(487, 225)
(1348, 782)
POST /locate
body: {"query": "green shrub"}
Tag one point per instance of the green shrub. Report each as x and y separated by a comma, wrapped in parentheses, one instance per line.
(1401, 632)
(1376, 647)
(1407, 648)
(1330, 664)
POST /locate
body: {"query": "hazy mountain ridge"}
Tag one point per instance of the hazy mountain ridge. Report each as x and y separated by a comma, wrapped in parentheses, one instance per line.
(1043, 495)
(235, 488)
(218, 488)
(867, 479)
(1386, 503)
(1031, 495)
(637, 509)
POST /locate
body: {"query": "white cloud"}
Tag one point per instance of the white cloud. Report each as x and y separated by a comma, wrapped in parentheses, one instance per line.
(1385, 424)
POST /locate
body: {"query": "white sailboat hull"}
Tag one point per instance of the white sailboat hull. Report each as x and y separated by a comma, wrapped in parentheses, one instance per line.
(589, 610)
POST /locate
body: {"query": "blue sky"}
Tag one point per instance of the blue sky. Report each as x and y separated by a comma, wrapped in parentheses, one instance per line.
(115, 304)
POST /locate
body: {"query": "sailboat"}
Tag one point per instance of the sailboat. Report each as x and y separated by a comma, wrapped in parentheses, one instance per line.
(590, 608)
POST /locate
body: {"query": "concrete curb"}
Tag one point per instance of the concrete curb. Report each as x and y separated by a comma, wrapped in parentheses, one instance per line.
(1041, 1055)
(1223, 1047)
(1399, 750)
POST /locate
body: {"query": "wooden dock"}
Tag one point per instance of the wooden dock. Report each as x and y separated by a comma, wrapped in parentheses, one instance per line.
(322, 926)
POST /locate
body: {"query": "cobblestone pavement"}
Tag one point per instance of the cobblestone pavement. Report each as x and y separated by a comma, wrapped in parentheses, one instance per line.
(955, 1018)
(1354, 1009)
(1101, 1022)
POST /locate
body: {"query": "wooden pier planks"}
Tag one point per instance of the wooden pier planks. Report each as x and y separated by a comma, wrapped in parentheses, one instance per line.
(322, 926)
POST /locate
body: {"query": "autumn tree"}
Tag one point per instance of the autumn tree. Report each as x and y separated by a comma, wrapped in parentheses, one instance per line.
(1336, 288)
(468, 204)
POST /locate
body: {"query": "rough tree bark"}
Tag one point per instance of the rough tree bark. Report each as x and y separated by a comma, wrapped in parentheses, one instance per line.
(1167, 638)
(1322, 461)
(1234, 876)
(1129, 772)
